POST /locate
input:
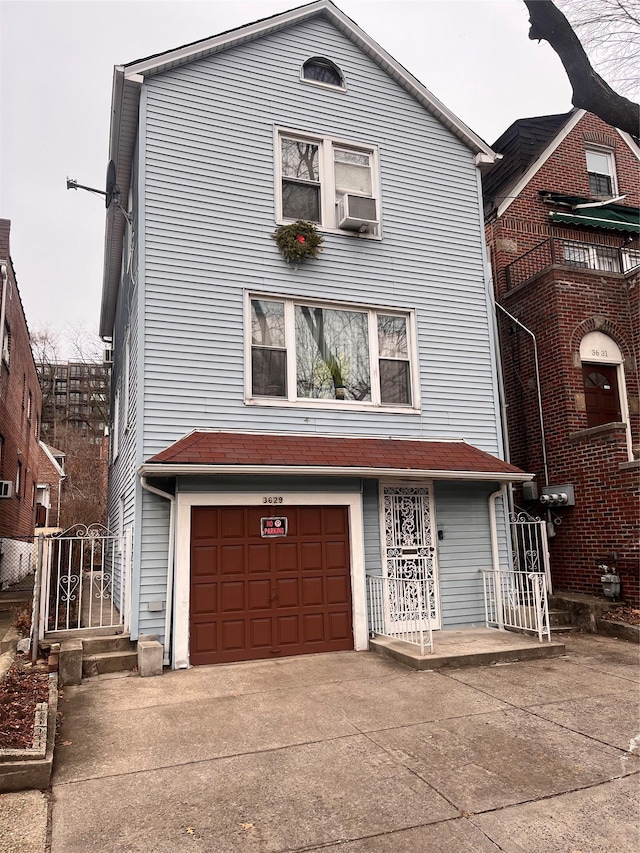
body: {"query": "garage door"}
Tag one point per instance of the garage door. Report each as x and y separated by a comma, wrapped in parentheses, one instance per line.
(260, 597)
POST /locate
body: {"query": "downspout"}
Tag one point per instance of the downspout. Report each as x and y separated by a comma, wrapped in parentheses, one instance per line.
(539, 393)
(495, 553)
(3, 308)
(166, 660)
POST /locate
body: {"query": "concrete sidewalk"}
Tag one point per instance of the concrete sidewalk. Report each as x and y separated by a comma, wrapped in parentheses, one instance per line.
(352, 752)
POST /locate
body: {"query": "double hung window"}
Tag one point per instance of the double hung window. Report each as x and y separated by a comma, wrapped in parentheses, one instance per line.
(330, 354)
(316, 172)
(602, 172)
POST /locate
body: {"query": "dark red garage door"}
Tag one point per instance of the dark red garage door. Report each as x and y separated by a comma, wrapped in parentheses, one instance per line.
(255, 597)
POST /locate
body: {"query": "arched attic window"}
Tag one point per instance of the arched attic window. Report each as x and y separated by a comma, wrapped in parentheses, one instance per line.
(318, 69)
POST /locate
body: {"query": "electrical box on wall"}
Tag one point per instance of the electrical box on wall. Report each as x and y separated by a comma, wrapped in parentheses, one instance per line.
(530, 491)
(558, 496)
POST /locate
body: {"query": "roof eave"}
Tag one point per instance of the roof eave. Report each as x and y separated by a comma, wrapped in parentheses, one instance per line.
(168, 469)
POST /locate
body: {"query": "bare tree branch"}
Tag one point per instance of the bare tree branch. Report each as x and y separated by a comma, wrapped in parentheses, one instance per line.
(590, 91)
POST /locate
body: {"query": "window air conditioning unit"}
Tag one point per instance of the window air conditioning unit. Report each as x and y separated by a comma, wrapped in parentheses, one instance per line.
(107, 357)
(6, 488)
(357, 213)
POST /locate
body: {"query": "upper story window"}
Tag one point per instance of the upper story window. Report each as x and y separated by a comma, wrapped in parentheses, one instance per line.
(331, 182)
(321, 70)
(6, 345)
(331, 354)
(601, 169)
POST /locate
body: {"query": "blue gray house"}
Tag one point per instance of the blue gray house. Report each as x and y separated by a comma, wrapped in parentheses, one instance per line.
(284, 434)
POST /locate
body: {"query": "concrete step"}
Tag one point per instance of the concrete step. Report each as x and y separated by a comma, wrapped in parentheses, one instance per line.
(99, 664)
(563, 629)
(558, 617)
(100, 645)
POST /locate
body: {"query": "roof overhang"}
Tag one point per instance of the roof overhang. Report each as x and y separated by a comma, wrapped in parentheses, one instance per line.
(167, 469)
(128, 79)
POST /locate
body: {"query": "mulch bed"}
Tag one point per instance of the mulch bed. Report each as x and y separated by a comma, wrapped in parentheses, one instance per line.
(20, 691)
(623, 613)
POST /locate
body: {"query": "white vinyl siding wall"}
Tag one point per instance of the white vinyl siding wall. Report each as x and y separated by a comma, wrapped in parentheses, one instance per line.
(210, 211)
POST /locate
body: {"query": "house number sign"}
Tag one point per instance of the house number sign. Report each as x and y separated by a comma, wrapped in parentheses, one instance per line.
(273, 527)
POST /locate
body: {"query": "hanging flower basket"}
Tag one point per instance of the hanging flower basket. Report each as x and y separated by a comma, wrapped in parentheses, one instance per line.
(298, 241)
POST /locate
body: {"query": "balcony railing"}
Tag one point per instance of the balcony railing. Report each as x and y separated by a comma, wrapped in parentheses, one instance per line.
(557, 251)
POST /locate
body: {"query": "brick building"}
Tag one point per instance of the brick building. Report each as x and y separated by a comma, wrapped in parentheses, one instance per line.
(75, 395)
(20, 405)
(562, 224)
(49, 491)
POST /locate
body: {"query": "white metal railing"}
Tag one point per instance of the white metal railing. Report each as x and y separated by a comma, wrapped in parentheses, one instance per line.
(400, 608)
(529, 543)
(84, 580)
(516, 601)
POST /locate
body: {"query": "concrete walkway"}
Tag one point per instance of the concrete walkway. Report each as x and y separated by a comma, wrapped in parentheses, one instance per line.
(356, 753)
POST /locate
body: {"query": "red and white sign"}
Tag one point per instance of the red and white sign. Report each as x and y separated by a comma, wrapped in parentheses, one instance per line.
(273, 527)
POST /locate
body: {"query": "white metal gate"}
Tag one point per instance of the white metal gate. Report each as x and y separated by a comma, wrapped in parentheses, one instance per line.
(409, 555)
(530, 547)
(84, 577)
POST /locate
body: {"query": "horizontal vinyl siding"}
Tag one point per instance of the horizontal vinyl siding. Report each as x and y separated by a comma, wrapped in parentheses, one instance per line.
(210, 213)
(371, 525)
(462, 513)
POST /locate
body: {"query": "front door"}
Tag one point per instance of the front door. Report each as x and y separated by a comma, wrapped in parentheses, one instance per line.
(409, 557)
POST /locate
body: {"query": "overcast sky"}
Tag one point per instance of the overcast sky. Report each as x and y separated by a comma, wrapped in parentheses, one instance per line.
(56, 69)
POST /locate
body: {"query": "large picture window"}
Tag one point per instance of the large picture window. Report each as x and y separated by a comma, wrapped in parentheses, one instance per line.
(339, 355)
(316, 172)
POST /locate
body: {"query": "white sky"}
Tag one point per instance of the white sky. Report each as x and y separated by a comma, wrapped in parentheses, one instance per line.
(56, 64)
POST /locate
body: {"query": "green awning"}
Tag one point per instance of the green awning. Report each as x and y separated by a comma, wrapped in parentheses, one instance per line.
(615, 218)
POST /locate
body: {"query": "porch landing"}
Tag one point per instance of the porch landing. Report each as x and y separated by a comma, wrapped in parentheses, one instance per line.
(468, 647)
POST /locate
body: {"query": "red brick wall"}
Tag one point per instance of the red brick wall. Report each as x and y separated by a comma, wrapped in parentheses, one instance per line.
(49, 474)
(19, 439)
(560, 306)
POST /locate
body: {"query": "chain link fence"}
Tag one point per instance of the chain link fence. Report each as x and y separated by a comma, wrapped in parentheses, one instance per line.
(18, 557)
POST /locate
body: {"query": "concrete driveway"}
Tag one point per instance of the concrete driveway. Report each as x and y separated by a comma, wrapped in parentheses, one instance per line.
(352, 752)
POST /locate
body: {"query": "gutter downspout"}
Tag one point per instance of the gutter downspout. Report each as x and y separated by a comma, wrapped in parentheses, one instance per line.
(166, 660)
(535, 356)
(495, 554)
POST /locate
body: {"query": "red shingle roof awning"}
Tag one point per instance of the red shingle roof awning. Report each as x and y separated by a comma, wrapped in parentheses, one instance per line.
(210, 452)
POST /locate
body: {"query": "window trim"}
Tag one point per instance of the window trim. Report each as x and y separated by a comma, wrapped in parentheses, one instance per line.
(292, 400)
(330, 86)
(326, 145)
(613, 174)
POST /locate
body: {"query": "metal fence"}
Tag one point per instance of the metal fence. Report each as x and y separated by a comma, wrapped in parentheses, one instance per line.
(400, 609)
(84, 576)
(516, 601)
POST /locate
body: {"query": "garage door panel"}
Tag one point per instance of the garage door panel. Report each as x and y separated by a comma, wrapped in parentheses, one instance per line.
(232, 558)
(286, 593)
(204, 524)
(311, 521)
(204, 560)
(258, 558)
(339, 625)
(337, 555)
(261, 632)
(259, 595)
(286, 556)
(233, 635)
(310, 556)
(253, 597)
(288, 630)
(232, 523)
(338, 589)
(312, 592)
(204, 598)
(232, 596)
(313, 627)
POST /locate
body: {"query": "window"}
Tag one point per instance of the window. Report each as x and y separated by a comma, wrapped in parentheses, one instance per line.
(18, 478)
(29, 406)
(321, 70)
(330, 354)
(602, 172)
(316, 173)
(591, 256)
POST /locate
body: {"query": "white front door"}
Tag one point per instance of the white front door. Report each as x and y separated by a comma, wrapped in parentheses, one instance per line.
(409, 557)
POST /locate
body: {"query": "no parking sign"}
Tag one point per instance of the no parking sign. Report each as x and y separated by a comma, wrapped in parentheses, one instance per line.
(273, 526)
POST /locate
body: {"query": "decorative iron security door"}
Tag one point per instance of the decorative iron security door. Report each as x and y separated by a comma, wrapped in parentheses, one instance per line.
(409, 557)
